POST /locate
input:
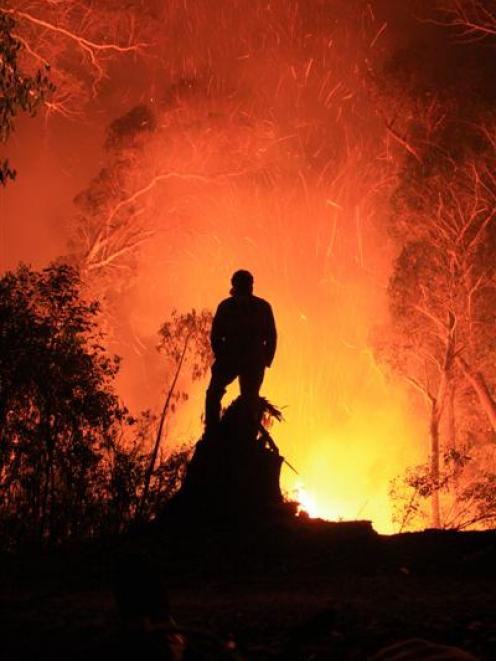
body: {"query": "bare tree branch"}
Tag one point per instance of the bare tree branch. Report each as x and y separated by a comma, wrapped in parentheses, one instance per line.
(473, 20)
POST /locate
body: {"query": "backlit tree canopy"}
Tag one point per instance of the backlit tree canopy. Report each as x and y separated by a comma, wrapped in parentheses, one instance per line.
(18, 90)
(57, 55)
(77, 41)
(442, 290)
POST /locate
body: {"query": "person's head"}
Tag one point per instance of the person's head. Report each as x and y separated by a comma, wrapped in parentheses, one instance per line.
(242, 283)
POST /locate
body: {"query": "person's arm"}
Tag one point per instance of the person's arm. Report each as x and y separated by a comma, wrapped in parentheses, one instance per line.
(271, 337)
(217, 335)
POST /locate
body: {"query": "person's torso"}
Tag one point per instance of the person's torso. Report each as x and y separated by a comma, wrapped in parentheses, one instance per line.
(245, 326)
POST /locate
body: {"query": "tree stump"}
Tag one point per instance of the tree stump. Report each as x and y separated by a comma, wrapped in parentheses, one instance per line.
(235, 469)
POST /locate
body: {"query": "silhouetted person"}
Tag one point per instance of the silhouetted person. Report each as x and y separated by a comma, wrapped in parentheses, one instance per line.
(243, 340)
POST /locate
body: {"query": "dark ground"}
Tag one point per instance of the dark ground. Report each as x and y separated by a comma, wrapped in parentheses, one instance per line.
(293, 590)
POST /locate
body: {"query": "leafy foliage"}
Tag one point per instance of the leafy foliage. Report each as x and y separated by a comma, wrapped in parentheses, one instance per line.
(72, 460)
(122, 486)
(468, 496)
(188, 333)
(185, 340)
(18, 91)
(58, 411)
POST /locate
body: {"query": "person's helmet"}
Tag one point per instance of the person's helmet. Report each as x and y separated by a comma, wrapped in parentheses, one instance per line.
(242, 282)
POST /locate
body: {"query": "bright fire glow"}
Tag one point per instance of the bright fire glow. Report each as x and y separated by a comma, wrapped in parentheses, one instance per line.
(290, 189)
(308, 505)
(314, 240)
(268, 155)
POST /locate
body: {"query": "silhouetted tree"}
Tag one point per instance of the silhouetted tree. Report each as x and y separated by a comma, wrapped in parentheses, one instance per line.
(185, 341)
(128, 489)
(441, 291)
(58, 409)
(55, 55)
(19, 91)
(78, 41)
(442, 302)
(73, 462)
(110, 224)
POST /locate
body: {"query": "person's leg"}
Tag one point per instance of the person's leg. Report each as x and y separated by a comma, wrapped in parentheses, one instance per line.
(222, 376)
(250, 382)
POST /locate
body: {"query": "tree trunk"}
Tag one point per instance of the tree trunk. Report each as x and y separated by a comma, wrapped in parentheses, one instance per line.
(451, 417)
(434, 438)
(480, 387)
(452, 431)
(437, 408)
(46, 504)
(165, 409)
